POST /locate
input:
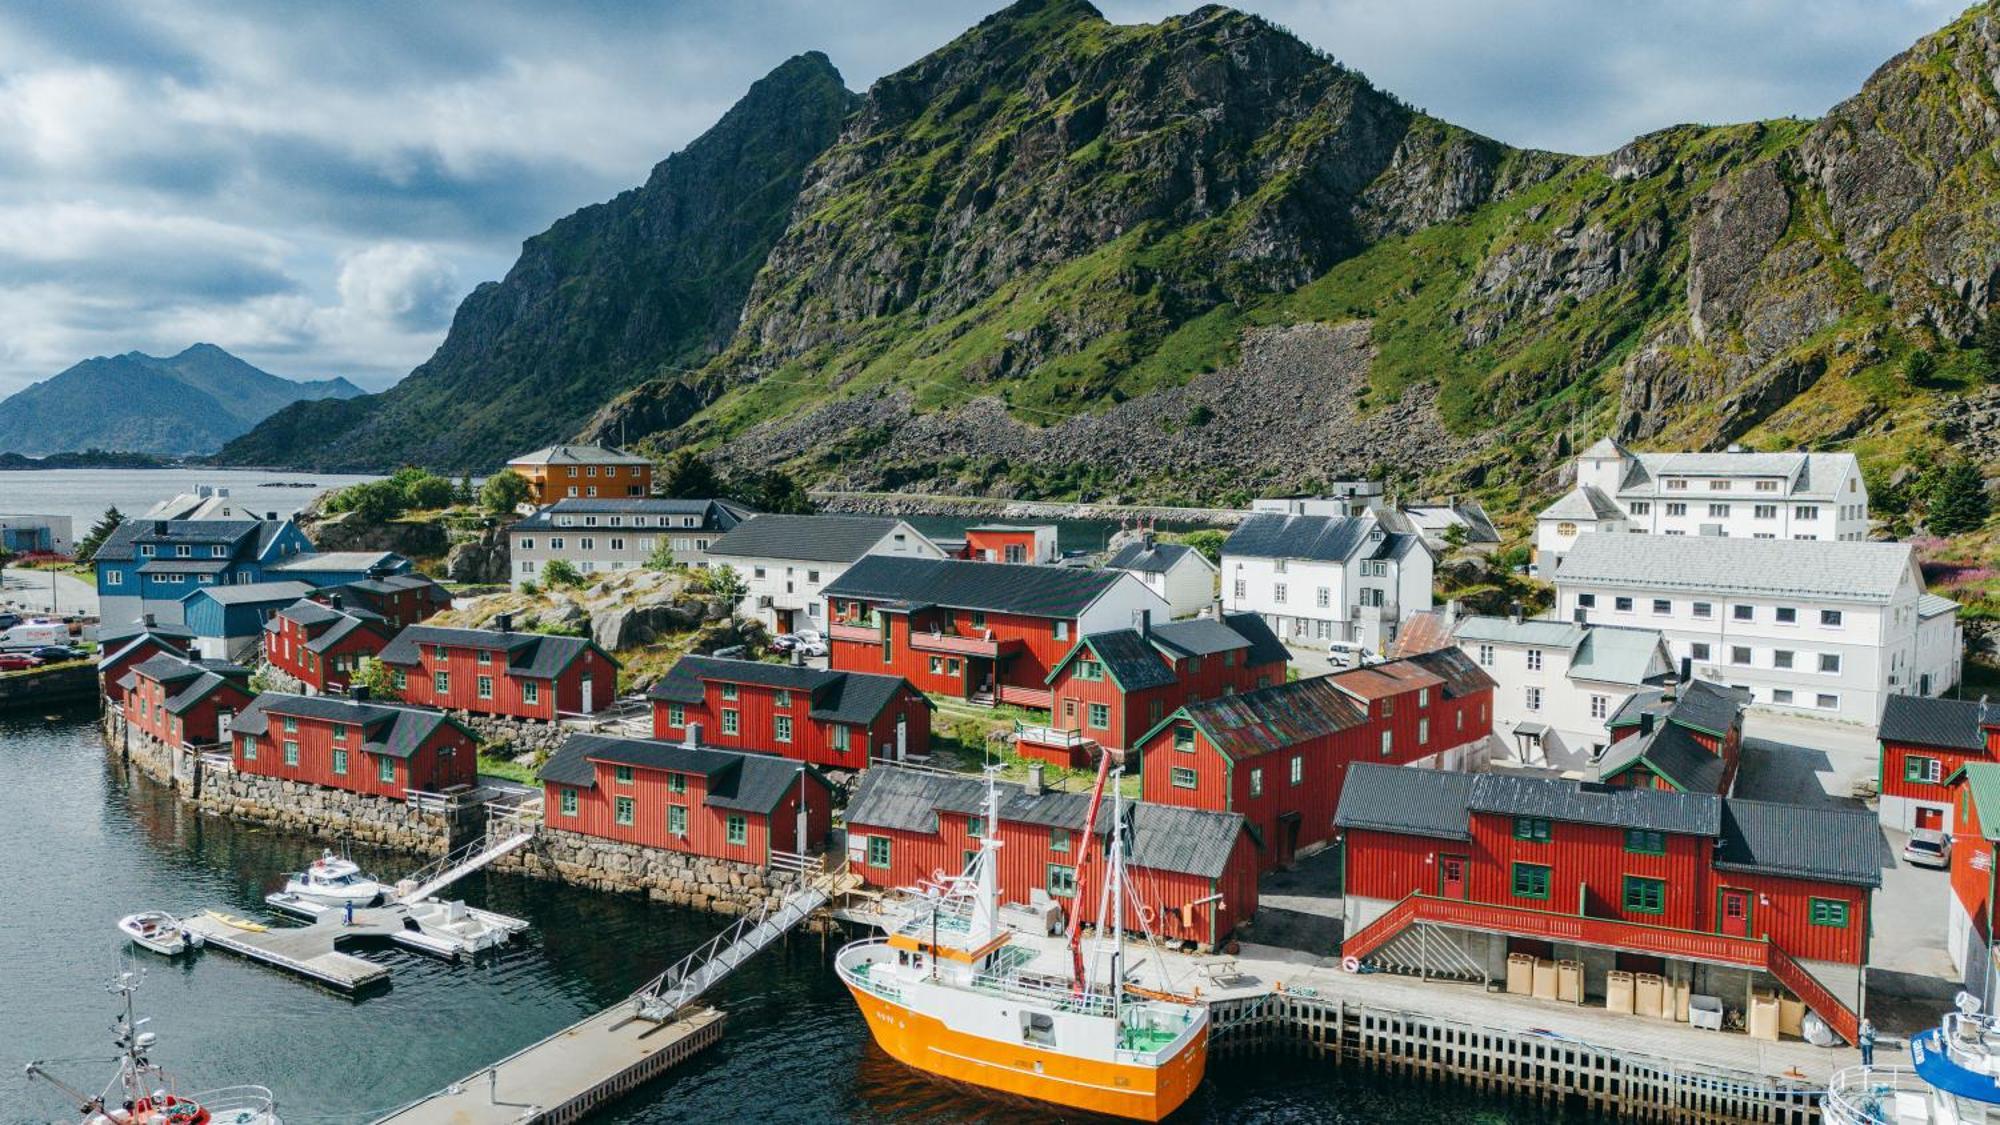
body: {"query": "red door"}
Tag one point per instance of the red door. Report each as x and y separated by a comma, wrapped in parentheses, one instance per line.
(1451, 876)
(1735, 912)
(1929, 819)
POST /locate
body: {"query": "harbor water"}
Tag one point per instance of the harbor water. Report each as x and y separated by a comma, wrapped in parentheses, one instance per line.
(84, 842)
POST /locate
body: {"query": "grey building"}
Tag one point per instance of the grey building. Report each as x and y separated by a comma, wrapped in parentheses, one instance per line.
(600, 535)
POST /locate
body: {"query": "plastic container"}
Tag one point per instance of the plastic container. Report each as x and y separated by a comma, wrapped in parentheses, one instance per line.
(1618, 992)
(1569, 982)
(1545, 979)
(1764, 1017)
(1649, 995)
(1520, 974)
(1705, 1012)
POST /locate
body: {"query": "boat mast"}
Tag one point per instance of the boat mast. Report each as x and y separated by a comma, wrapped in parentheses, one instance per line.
(1077, 981)
(1115, 879)
(986, 869)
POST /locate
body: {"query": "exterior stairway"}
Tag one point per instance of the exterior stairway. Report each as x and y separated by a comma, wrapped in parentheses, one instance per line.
(682, 984)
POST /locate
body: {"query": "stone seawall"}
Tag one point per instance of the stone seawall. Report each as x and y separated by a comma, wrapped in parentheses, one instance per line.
(917, 504)
(718, 886)
(63, 685)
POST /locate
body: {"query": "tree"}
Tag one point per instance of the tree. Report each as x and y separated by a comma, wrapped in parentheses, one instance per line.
(376, 677)
(686, 476)
(504, 491)
(86, 549)
(559, 573)
(662, 557)
(1208, 541)
(725, 583)
(1919, 366)
(427, 490)
(466, 493)
(1956, 500)
(775, 492)
(374, 502)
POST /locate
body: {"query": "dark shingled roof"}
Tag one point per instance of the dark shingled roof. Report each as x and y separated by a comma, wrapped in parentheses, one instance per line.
(1701, 704)
(806, 538)
(1461, 676)
(1400, 799)
(1838, 845)
(1251, 723)
(190, 680)
(110, 654)
(1133, 662)
(1156, 559)
(1670, 751)
(537, 656)
(385, 729)
(1270, 535)
(1164, 838)
(1037, 591)
(1955, 723)
(744, 782)
(1615, 806)
(121, 545)
(837, 697)
(1140, 661)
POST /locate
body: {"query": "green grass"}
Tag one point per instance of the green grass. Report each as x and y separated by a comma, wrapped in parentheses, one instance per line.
(506, 767)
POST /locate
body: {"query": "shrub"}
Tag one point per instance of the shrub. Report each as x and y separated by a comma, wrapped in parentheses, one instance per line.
(560, 573)
(373, 502)
(427, 490)
(1208, 541)
(662, 557)
(725, 583)
(1956, 498)
(376, 677)
(686, 476)
(503, 491)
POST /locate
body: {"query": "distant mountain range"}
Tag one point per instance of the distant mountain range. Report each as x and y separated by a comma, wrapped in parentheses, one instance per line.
(190, 403)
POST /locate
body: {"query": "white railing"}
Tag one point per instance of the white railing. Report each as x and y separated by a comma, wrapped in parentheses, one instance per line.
(425, 801)
(798, 862)
(1051, 736)
(217, 763)
(1868, 1095)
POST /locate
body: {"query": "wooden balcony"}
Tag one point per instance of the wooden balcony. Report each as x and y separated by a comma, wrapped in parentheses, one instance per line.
(850, 631)
(1039, 698)
(955, 644)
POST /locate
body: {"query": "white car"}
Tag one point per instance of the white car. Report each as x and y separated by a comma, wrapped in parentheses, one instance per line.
(1927, 848)
(810, 648)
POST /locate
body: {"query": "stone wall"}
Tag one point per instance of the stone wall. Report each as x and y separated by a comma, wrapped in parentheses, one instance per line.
(270, 677)
(335, 814)
(63, 685)
(523, 736)
(718, 886)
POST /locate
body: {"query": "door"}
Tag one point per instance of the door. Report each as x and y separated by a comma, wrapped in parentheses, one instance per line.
(587, 708)
(1930, 818)
(902, 737)
(1735, 913)
(1288, 836)
(224, 719)
(1451, 876)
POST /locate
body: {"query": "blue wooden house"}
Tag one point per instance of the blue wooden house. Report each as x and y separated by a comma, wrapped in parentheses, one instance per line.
(227, 621)
(153, 565)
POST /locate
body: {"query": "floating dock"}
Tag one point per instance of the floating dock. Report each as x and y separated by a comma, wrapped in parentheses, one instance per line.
(308, 951)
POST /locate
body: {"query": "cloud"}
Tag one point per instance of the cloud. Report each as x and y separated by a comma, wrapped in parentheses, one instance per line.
(400, 284)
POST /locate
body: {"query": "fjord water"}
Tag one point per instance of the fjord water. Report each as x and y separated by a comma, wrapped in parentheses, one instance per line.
(82, 842)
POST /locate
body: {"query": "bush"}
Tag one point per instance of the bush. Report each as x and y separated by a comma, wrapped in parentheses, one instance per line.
(725, 583)
(503, 491)
(662, 557)
(426, 490)
(686, 476)
(559, 573)
(1956, 498)
(373, 502)
(1208, 541)
(530, 589)
(376, 677)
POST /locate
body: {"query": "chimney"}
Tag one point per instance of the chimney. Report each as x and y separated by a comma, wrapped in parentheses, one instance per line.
(1146, 540)
(333, 600)
(204, 491)
(1687, 666)
(159, 527)
(1581, 615)
(1515, 611)
(223, 493)
(272, 516)
(1670, 690)
(693, 738)
(1215, 608)
(503, 622)
(1037, 782)
(1144, 622)
(358, 692)
(1451, 611)
(146, 619)
(798, 657)
(1645, 723)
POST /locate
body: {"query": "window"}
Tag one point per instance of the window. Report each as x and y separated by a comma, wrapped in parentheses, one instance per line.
(1645, 842)
(978, 619)
(783, 698)
(1257, 781)
(736, 830)
(1600, 706)
(837, 737)
(1738, 654)
(340, 761)
(402, 681)
(1565, 529)
(1278, 593)
(1061, 881)
(1194, 665)
(1058, 839)
(1781, 695)
(1184, 738)
(1323, 598)
(1788, 615)
(1242, 589)
(676, 715)
(729, 720)
(1830, 618)
(729, 691)
(531, 692)
(1587, 601)
(1645, 896)
(878, 851)
(1827, 701)
(1534, 660)
(1486, 656)
(1089, 670)
(1388, 742)
(1829, 662)
(1699, 650)
(1917, 767)
(1766, 511)
(555, 543)
(1533, 828)
(1641, 508)
(1298, 768)
(385, 769)
(1718, 511)
(525, 543)
(485, 657)
(1182, 777)
(1622, 605)
(291, 724)
(1424, 731)
(1806, 512)
(1534, 698)
(622, 811)
(1677, 508)
(1677, 484)
(623, 774)
(114, 578)
(781, 728)
(1662, 606)
(291, 753)
(1781, 658)
(1704, 610)
(441, 682)
(569, 802)
(249, 748)
(485, 686)
(1100, 716)
(1743, 612)
(1531, 880)
(1829, 912)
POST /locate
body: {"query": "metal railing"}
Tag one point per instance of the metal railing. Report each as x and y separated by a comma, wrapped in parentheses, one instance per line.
(802, 863)
(661, 998)
(1867, 1095)
(1062, 737)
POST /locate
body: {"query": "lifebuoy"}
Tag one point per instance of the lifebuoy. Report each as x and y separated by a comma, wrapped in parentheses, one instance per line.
(1351, 964)
(1145, 914)
(938, 876)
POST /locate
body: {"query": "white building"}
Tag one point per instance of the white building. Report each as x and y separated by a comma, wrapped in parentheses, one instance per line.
(1179, 574)
(1735, 494)
(786, 561)
(1556, 682)
(1325, 580)
(617, 534)
(1342, 498)
(22, 534)
(1819, 627)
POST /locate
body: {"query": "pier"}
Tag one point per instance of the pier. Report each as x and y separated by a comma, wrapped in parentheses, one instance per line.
(308, 951)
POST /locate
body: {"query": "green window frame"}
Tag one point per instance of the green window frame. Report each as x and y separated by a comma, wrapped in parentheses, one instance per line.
(622, 811)
(291, 725)
(838, 736)
(1645, 896)
(531, 692)
(1184, 737)
(291, 753)
(441, 682)
(623, 774)
(781, 728)
(249, 748)
(1642, 841)
(1089, 670)
(730, 722)
(385, 769)
(340, 761)
(677, 783)
(402, 680)
(1060, 881)
(677, 820)
(484, 686)
(1058, 839)
(729, 691)
(1830, 912)
(1100, 716)
(975, 826)
(676, 715)
(1922, 768)
(979, 619)
(569, 802)
(878, 851)
(1183, 778)
(340, 732)
(1531, 880)
(1534, 829)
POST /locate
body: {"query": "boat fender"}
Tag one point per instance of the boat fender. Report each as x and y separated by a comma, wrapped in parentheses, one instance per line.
(1351, 964)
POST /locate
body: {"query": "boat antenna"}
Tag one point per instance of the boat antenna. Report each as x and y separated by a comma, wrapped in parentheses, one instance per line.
(986, 867)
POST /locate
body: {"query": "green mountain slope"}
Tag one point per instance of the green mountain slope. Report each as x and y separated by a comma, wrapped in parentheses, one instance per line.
(189, 403)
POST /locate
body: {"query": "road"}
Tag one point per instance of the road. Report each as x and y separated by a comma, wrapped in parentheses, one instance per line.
(47, 591)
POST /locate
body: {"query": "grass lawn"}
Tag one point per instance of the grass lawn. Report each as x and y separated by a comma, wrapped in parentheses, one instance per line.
(500, 766)
(959, 742)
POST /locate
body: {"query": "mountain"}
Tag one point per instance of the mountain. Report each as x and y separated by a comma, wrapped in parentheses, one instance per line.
(651, 282)
(1197, 259)
(189, 403)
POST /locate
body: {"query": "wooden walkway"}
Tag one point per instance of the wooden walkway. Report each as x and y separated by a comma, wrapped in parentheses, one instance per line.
(309, 951)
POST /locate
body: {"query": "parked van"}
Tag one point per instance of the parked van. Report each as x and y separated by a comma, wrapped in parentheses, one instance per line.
(30, 635)
(1347, 654)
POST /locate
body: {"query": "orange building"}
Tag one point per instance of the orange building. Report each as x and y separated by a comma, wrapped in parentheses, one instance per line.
(562, 472)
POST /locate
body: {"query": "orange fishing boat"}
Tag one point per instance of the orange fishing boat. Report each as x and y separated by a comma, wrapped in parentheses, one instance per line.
(951, 993)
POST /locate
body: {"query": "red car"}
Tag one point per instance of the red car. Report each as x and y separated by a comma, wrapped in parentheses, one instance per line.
(17, 661)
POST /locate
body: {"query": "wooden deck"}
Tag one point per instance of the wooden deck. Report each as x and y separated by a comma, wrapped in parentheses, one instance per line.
(308, 951)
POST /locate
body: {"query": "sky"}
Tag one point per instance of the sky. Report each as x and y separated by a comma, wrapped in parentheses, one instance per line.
(315, 186)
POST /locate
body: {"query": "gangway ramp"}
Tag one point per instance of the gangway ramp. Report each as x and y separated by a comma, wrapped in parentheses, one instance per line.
(466, 860)
(695, 974)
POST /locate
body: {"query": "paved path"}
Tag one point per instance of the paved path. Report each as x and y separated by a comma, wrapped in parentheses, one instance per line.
(31, 590)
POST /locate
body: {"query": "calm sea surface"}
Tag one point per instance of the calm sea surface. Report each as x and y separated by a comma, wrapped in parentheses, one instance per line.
(82, 843)
(83, 494)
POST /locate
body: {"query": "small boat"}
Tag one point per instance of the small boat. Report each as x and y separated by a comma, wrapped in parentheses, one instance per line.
(239, 923)
(143, 1093)
(336, 879)
(463, 929)
(156, 930)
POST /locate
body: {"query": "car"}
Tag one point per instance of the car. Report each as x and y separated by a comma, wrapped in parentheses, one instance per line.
(1927, 848)
(8, 621)
(811, 648)
(783, 642)
(56, 654)
(17, 662)
(809, 637)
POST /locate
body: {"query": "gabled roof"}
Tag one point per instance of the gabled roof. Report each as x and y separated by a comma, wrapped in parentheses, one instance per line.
(1824, 842)
(1605, 449)
(1435, 519)
(806, 538)
(110, 655)
(190, 680)
(1034, 591)
(1614, 806)
(1702, 705)
(716, 515)
(1983, 778)
(390, 585)
(1203, 636)
(578, 454)
(1460, 675)
(251, 593)
(1380, 681)
(734, 780)
(1585, 502)
(1158, 558)
(1834, 570)
(1614, 654)
(1672, 752)
(1269, 535)
(1807, 476)
(1411, 801)
(1138, 661)
(327, 626)
(539, 656)
(1251, 723)
(108, 635)
(836, 697)
(340, 562)
(1956, 724)
(121, 545)
(1164, 837)
(1133, 663)
(1527, 631)
(1932, 605)
(389, 729)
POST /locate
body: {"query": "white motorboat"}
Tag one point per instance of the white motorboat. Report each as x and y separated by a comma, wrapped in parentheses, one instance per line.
(335, 879)
(457, 927)
(158, 931)
(143, 1093)
(1953, 1079)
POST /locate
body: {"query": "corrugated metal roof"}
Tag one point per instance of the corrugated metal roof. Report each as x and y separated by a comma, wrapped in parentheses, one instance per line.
(836, 697)
(186, 566)
(1984, 780)
(1931, 605)
(716, 515)
(1827, 569)
(1035, 591)
(1156, 559)
(805, 538)
(1615, 806)
(1955, 723)
(1251, 723)
(357, 562)
(1391, 677)
(1269, 535)
(1527, 631)
(1586, 502)
(252, 593)
(1614, 654)
(1399, 799)
(1827, 842)
(1461, 677)
(576, 453)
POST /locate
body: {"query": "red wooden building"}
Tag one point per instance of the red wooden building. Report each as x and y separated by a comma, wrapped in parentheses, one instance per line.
(1011, 543)
(400, 599)
(1975, 828)
(840, 719)
(1193, 872)
(1693, 886)
(184, 702)
(356, 744)
(983, 631)
(1924, 742)
(322, 643)
(500, 672)
(1685, 737)
(686, 798)
(1279, 755)
(1117, 685)
(118, 656)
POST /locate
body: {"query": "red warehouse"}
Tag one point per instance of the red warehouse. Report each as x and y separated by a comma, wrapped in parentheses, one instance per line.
(1011, 543)
(1194, 873)
(685, 798)
(842, 719)
(1685, 737)
(1449, 873)
(1975, 826)
(1924, 742)
(356, 744)
(989, 632)
(118, 657)
(1117, 685)
(1279, 755)
(501, 672)
(322, 644)
(400, 599)
(184, 702)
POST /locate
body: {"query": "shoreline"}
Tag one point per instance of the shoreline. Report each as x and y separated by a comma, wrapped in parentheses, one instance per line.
(923, 504)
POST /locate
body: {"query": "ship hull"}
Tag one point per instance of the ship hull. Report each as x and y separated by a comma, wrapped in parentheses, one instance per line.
(1139, 1093)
